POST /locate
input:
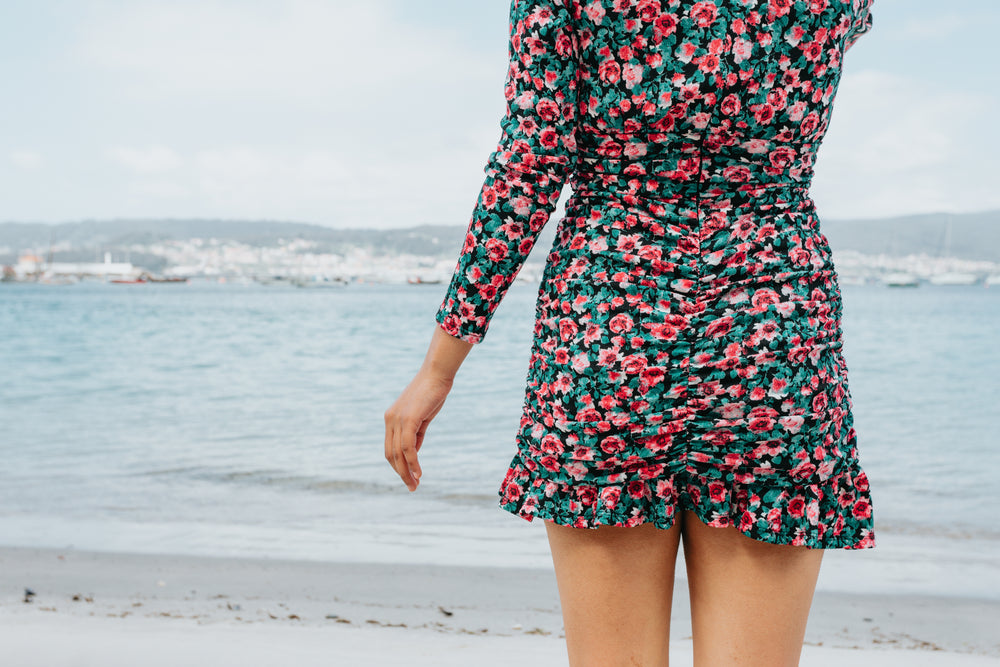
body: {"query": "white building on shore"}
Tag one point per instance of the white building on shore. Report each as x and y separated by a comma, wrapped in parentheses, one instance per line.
(29, 265)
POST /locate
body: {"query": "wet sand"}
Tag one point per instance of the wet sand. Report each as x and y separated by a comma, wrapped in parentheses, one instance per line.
(109, 609)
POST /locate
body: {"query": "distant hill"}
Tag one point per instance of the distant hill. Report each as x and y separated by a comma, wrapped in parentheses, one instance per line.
(972, 236)
(431, 240)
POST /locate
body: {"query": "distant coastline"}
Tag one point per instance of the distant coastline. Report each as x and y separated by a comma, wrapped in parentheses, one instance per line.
(943, 248)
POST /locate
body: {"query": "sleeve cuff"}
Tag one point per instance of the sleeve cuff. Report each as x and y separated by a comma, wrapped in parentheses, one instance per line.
(455, 326)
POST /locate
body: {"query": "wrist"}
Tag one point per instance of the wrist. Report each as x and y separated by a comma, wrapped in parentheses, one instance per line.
(444, 356)
(438, 373)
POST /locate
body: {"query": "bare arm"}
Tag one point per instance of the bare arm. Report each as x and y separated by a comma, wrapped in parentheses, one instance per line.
(407, 419)
(524, 176)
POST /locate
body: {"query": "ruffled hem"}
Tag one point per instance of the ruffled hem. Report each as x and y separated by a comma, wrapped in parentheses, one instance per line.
(832, 514)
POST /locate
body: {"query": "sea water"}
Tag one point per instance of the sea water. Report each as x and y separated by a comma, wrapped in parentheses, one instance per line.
(242, 419)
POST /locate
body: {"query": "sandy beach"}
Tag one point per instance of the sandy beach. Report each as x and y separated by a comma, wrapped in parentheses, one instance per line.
(110, 609)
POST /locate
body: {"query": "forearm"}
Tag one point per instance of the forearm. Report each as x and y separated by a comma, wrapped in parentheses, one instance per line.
(445, 355)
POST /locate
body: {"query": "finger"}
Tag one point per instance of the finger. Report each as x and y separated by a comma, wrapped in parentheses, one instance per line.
(388, 437)
(399, 460)
(409, 448)
(405, 457)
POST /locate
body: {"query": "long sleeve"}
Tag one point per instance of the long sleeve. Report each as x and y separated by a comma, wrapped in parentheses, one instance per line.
(526, 172)
(861, 23)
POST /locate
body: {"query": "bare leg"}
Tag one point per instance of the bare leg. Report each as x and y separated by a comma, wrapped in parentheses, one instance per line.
(616, 586)
(750, 599)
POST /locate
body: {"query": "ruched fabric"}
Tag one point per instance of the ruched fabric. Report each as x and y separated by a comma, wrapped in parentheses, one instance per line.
(688, 349)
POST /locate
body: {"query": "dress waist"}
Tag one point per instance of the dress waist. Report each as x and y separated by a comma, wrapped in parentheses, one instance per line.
(694, 169)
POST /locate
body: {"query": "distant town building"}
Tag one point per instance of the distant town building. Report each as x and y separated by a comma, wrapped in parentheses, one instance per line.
(28, 265)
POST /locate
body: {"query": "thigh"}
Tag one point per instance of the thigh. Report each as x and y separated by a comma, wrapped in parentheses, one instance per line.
(616, 587)
(750, 599)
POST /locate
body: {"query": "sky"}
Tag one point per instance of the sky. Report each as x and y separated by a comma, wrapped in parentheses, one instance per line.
(382, 113)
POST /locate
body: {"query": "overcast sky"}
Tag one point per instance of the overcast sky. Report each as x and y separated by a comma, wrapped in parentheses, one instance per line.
(382, 113)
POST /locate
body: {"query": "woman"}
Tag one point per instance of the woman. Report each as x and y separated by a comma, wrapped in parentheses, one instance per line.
(686, 380)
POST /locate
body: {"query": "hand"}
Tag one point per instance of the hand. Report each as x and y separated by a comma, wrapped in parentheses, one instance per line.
(406, 422)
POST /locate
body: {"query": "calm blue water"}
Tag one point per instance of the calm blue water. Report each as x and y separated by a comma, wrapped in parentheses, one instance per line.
(245, 419)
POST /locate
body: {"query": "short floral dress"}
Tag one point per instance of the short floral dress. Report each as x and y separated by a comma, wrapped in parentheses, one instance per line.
(687, 349)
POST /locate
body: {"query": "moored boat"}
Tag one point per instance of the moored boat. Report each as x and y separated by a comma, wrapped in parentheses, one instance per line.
(954, 278)
(900, 280)
(319, 280)
(168, 279)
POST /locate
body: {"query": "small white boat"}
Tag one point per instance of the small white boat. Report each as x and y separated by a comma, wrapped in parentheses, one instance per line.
(954, 278)
(992, 279)
(319, 280)
(900, 279)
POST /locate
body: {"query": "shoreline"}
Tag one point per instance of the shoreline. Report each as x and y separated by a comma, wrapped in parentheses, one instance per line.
(378, 611)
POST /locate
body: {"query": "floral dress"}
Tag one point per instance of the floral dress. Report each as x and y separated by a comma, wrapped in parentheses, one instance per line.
(687, 349)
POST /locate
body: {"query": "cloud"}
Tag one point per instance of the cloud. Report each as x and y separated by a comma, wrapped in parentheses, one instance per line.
(329, 188)
(146, 190)
(336, 112)
(900, 145)
(26, 159)
(383, 113)
(256, 183)
(292, 50)
(145, 160)
(936, 27)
